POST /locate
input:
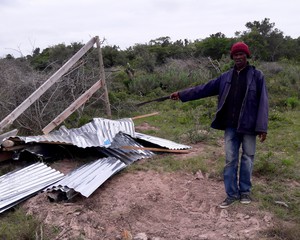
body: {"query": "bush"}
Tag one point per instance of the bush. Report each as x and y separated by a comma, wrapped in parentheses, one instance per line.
(292, 102)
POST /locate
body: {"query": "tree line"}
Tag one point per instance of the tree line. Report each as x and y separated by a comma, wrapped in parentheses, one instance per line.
(266, 43)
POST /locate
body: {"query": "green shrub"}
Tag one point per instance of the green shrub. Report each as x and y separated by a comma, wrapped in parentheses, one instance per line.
(292, 102)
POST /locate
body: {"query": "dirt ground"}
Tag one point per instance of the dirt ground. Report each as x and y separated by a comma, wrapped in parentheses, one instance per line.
(151, 205)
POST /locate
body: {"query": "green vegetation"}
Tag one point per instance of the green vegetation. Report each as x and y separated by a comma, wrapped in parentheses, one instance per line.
(18, 225)
(278, 165)
(144, 72)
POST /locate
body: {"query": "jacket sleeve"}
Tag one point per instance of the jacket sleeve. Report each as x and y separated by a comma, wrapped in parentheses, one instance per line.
(201, 91)
(263, 108)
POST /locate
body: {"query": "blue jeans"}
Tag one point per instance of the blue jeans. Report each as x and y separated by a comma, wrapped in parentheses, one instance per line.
(237, 174)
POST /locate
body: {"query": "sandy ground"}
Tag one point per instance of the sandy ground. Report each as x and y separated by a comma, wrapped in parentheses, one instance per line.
(151, 205)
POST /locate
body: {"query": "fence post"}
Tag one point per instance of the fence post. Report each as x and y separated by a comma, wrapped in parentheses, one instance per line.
(102, 77)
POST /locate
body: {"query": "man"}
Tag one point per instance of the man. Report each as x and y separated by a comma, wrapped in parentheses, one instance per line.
(242, 113)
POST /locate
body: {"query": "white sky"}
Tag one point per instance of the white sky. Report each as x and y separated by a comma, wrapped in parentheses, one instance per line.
(28, 24)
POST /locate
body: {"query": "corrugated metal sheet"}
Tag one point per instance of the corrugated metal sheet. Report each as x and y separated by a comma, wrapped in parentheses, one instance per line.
(125, 155)
(161, 142)
(89, 177)
(98, 133)
(19, 185)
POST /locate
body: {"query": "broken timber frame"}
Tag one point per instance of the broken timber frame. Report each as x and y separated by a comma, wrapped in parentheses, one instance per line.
(75, 105)
(54, 78)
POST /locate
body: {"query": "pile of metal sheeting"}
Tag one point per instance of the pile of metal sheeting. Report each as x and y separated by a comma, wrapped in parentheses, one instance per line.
(88, 177)
(116, 140)
(19, 185)
(99, 132)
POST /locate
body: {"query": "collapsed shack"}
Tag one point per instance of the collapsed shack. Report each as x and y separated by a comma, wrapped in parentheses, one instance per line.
(108, 146)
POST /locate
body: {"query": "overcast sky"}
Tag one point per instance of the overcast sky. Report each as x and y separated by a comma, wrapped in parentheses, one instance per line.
(28, 24)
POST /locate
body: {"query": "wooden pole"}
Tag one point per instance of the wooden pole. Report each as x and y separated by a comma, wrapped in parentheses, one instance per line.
(102, 77)
(146, 115)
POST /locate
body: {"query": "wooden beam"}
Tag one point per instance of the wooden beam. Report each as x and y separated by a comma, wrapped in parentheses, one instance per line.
(46, 85)
(102, 76)
(146, 115)
(74, 106)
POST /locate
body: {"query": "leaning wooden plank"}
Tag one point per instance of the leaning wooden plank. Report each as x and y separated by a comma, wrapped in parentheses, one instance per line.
(46, 85)
(155, 149)
(74, 106)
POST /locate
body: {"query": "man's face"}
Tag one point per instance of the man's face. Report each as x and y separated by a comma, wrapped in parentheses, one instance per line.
(240, 59)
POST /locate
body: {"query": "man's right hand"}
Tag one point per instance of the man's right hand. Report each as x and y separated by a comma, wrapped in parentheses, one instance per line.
(175, 96)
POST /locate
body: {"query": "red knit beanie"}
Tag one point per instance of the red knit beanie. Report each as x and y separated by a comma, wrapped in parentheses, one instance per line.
(240, 47)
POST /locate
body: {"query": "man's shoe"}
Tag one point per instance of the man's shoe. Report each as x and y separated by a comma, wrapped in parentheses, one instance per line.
(245, 199)
(227, 202)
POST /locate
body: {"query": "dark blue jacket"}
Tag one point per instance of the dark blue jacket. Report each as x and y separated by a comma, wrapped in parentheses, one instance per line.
(253, 117)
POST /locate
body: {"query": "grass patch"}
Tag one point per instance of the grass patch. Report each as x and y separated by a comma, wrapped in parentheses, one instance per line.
(277, 158)
(280, 199)
(19, 225)
(167, 163)
(278, 166)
